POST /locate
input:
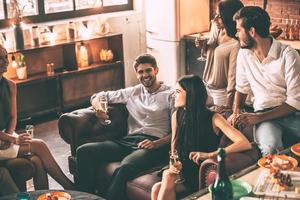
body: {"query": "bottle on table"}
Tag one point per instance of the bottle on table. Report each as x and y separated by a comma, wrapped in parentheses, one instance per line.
(222, 187)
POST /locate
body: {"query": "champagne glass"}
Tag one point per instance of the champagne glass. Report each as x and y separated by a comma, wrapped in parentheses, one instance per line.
(175, 162)
(103, 105)
(200, 42)
(29, 131)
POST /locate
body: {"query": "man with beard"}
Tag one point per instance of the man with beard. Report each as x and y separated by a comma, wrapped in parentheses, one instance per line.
(149, 108)
(271, 71)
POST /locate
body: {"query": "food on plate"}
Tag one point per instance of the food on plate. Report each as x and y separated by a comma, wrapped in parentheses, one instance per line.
(56, 195)
(50, 196)
(280, 163)
(283, 181)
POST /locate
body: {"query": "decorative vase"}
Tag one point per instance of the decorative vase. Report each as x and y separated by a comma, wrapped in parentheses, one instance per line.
(22, 72)
(19, 38)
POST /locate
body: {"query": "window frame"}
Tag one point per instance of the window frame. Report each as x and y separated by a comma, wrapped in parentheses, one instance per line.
(42, 17)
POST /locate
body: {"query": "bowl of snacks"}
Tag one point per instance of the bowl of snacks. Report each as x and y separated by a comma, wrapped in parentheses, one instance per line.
(281, 162)
(55, 195)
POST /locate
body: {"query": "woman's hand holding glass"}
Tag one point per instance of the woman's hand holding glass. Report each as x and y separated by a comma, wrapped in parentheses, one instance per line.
(200, 42)
(29, 132)
(23, 138)
(176, 165)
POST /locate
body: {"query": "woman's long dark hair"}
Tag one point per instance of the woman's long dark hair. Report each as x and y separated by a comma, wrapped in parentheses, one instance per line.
(227, 9)
(193, 125)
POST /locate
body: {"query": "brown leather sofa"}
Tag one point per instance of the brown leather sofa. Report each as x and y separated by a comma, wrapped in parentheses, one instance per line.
(81, 126)
(21, 170)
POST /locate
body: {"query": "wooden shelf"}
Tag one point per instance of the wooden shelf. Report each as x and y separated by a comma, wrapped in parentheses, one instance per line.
(69, 87)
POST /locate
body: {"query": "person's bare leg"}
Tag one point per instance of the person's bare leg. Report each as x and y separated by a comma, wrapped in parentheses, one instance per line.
(39, 148)
(168, 186)
(40, 179)
(155, 190)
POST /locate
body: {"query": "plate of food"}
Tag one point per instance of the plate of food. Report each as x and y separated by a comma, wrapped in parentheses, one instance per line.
(296, 149)
(55, 195)
(282, 162)
(279, 183)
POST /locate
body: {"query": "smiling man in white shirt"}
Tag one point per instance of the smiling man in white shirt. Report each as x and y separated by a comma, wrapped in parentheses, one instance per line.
(149, 125)
(271, 71)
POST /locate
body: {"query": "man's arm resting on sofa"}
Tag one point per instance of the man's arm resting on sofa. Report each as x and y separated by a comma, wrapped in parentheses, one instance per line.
(148, 144)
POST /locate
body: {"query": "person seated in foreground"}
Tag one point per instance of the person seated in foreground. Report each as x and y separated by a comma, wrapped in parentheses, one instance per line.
(271, 72)
(17, 145)
(149, 127)
(7, 184)
(196, 134)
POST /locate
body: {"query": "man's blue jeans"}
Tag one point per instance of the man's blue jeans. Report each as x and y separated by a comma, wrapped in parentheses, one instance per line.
(269, 134)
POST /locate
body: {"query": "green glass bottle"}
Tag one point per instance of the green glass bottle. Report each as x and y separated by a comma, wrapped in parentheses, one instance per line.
(222, 187)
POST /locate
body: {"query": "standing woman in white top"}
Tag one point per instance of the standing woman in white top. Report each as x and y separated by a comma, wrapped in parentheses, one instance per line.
(222, 49)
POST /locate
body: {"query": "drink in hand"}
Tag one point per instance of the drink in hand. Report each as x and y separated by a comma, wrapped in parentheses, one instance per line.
(103, 105)
(29, 130)
(177, 165)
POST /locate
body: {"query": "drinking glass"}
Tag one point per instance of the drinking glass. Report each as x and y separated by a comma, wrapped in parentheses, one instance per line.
(29, 131)
(200, 42)
(174, 161)
(103, 105)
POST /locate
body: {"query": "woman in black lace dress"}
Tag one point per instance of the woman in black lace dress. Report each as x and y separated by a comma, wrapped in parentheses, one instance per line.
(195, 136)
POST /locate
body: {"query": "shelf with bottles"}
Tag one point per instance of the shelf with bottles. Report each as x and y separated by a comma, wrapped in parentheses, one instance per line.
(66, 57)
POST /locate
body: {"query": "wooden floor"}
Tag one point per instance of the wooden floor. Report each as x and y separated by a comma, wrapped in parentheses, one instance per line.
(48, 131)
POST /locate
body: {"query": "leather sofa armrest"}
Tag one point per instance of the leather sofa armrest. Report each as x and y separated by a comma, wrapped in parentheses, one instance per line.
(235, 162)
(81, 126)
(207, 172)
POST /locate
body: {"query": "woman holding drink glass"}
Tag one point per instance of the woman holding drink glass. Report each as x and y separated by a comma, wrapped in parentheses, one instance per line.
(22, 144)
(195, 137)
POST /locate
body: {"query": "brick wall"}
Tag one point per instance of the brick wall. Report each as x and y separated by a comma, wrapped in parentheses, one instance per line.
(280, 11)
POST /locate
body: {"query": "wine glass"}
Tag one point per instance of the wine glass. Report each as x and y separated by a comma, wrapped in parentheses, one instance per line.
(103, 105)
(200, 42)
(29, 130)
(175, 162)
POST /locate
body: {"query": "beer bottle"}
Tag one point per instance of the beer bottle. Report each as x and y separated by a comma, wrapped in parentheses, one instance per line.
(222, 188)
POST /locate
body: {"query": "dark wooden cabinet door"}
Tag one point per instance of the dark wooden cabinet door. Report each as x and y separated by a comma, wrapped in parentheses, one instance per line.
(37, 97)
(78, 87)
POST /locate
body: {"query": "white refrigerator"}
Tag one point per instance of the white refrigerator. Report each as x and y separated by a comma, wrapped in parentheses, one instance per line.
(167, 21)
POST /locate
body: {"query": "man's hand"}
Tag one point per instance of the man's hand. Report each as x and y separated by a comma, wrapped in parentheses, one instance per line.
(232, 119)
(245, 119)
(275, 31)
(101, 115)
(23, 138)
(196, 157)
(147, 144)
(220, 109)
